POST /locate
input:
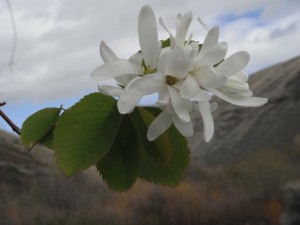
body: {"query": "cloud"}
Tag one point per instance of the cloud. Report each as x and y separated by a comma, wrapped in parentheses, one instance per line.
(284, 31)
(58, 42)
(269, 41)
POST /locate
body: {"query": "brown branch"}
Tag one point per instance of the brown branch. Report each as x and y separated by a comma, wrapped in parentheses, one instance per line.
(13, 126)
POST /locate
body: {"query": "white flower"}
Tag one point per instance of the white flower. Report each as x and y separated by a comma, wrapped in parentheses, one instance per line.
(189, 87)
(126, 70)
(212, 72)
(173, 67)
(175, 84)
(224, 77)
(150, 49)
(184, 74)
(109, 56)
(236, 89)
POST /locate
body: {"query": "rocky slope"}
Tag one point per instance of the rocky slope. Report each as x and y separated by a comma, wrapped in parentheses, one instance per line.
(34, 191)
(241, 131)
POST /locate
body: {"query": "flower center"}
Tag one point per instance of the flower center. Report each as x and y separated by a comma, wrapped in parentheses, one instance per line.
(149, 71)
(171, 80)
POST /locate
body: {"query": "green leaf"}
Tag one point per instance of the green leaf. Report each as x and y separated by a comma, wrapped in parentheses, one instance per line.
(166, 43)
(39, 126)
(85, 132)
(169, 171)
(48, 140)
(120, 167)
(161, 148)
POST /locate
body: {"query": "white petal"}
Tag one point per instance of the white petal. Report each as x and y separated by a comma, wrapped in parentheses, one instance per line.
(210, 40)
(125, 79)
(127, 101)
(178, 63)
(213, 106)
(178, 84)
(189, 40)
(148, 37)
(202, 95)
(146, 85)
(159, 125)
(164, 96)
(183, 23)
(208, 78)
(106, 53)
(178, 20)
(195, 46)
(203, 24)
(233, 64)
(161, 65)
(235, 85)
(242, 75)
(240, 100)
(136, 59)
(111, 90)
(102, 91)
(208, 122)
(189, 88)
(190, 52)
(248, 93)
(172, 38)
(185, 128)
(114, 69)
(180, 105)
(213, 56)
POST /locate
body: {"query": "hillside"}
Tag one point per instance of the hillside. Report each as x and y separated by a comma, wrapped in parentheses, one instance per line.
(34, 191)
(241, 131)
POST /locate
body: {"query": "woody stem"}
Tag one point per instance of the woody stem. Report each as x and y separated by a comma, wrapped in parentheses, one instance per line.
(13, 126)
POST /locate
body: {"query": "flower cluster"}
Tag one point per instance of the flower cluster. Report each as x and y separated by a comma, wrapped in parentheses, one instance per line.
(184, 73)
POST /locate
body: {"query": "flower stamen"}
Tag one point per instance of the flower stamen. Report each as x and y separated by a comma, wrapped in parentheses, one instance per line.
(171, 80)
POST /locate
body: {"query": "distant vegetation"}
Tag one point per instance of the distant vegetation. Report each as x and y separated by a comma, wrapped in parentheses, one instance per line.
(248, 191)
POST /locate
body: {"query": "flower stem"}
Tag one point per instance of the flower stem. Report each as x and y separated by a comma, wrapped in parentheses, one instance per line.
(14, 127)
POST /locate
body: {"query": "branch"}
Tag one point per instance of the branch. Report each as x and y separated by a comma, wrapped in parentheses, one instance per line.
(11, 61)
(13, 126)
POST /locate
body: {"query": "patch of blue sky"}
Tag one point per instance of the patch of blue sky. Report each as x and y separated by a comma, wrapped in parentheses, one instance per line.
(233, 16)
(19, 112)
(149, 100)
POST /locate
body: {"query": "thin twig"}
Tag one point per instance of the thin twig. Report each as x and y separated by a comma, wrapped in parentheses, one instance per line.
(13, 126)
(12, 56)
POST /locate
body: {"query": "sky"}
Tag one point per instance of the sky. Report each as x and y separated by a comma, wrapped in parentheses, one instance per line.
(58, 41)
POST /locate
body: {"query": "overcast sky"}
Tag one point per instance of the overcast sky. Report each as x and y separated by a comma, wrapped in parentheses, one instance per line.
(58, 41)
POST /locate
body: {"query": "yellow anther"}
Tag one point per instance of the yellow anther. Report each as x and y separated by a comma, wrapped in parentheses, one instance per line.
(171, 80)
